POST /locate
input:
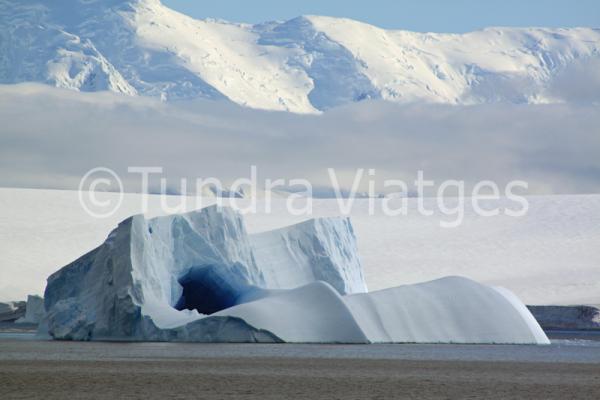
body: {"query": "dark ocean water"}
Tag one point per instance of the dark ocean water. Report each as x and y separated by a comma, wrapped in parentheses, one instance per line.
(20, 346)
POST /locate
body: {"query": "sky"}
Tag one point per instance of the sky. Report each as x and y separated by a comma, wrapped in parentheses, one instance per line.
(423, 16)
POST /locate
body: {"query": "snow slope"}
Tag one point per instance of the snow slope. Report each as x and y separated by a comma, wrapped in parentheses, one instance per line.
(448, 310)
(549, 256)
(314, 313)
(445, 310)
(307, 64)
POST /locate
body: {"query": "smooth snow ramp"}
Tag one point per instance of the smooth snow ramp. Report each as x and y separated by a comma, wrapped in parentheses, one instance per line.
(447, 310)
(314, 313)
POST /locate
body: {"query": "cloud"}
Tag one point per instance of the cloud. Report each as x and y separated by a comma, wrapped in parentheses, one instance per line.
(51, 137)
(578, 83)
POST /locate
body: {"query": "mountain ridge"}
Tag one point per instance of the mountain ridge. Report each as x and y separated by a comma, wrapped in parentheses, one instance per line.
(305, 65)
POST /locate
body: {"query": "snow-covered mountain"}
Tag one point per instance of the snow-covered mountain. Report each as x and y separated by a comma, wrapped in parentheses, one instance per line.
(307, 64)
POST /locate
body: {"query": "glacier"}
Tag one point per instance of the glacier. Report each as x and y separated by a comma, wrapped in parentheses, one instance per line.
(391, 249)
(305, 65)
(201, 277)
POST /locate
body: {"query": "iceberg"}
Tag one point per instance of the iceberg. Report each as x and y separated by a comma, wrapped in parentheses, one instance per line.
(201, 277)
(12, 311)
(567, 317)
(34, 311)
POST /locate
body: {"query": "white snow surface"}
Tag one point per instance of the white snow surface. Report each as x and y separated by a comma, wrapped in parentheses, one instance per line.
(447, 310)
(314, 313)
(549, 256)
(306, 64)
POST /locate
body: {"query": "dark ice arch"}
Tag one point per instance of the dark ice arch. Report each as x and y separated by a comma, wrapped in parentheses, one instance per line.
(210, 289)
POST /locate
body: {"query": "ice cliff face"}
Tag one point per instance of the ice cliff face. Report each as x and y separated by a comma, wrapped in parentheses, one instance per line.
(131, 285)
(307, 64)
(34, 311)
(315, 250)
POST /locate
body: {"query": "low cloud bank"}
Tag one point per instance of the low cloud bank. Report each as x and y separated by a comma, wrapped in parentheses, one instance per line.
(50, 138)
